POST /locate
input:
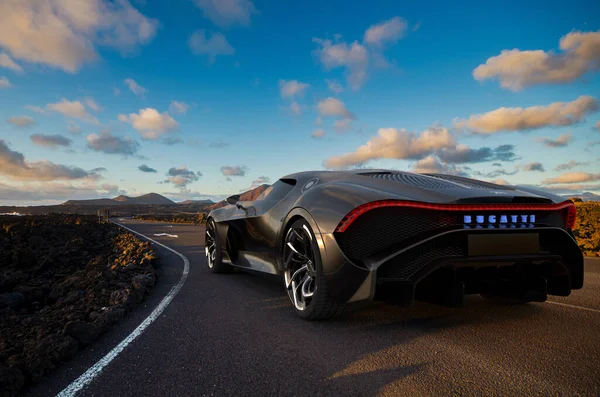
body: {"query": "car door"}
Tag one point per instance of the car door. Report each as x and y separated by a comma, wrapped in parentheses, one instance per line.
(257, 228)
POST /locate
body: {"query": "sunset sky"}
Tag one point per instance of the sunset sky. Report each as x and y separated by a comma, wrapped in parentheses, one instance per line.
(199, 99)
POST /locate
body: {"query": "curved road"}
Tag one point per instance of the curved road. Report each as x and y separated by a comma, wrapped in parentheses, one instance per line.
(236, 335)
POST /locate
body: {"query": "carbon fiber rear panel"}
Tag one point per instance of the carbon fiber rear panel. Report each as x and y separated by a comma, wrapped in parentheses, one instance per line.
(409, 264)
(384, 228)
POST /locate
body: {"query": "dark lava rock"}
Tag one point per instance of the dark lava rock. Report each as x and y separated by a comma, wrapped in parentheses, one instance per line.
(14, 300)
(141, 284)
(124, 298)
(11, 380)
(64, 348)
(8, 281)
(73, 296)
(115, 315)
(84, 333)
(64, 279)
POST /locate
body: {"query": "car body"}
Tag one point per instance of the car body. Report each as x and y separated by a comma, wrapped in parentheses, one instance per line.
(403, 236)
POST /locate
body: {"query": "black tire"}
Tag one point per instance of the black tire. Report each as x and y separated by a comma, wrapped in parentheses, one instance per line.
(321, 305)
(213, 253)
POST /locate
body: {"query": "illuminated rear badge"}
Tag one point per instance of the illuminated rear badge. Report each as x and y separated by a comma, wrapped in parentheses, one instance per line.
(501, 221)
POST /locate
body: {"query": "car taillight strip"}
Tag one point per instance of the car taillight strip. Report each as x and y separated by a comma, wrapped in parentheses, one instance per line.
(361, 209)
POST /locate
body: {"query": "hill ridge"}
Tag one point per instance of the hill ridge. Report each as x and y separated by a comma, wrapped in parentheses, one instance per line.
(145, 199)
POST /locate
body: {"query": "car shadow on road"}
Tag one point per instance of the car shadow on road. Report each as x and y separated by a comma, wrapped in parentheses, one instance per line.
(371, 349)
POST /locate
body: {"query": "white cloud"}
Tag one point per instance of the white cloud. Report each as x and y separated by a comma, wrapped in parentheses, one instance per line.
(291, 88)
(92, 104)
(111, 190)
(105, 142)
(334, 86)
(571, 188)
(520, 69)
(50, 141)
(517, 119)
(318, 134)
(462, 153)
(74, 109)
(116, 91)
(36, 109)
(333, 107)
(342, 125)
(562, 141)
(7, 62)
(64, 34)
(182, 176)
(535, 166)
(135, 87)
(261, 180)
(49, 193)
(500, 181)
(213, 45)
(570, 165)
(150, 123)
(229, 170)
(145, 168)
(295, 108)
(226, 13)
(21, 121)
(432, 165)
(392, 143)
(357, 57)
(572, 177)
(4, 82)
(597, 125)
(385, 32)
(14, 166)
(178, 107)
(353, 57)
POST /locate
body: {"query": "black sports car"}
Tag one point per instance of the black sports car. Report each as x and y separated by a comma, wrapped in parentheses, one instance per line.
(341, 239)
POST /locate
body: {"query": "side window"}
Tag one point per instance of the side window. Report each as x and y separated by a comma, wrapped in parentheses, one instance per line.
(278, 190)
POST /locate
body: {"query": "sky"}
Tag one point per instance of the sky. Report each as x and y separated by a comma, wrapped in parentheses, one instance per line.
(200, 99)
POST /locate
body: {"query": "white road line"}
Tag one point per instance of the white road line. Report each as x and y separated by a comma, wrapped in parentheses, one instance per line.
(574, 307)
(86, 378)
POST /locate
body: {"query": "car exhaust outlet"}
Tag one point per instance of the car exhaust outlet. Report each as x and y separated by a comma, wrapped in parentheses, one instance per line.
(444, 293)
(529, 289)
(559, 285)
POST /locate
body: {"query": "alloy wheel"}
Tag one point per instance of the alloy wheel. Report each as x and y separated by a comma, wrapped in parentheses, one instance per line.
(210, 246)
(299, 262)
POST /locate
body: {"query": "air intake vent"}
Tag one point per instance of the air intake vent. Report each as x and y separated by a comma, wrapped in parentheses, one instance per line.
(470, 182)
(413, 179)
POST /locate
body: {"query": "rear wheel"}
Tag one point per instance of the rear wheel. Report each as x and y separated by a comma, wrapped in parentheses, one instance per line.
(212, 249)
(303, 275)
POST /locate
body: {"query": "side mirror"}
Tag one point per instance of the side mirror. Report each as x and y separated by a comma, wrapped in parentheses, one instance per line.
(233, 199)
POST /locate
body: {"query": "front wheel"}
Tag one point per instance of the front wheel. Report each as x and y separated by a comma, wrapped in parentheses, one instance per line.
(212, 249)
(303, 275)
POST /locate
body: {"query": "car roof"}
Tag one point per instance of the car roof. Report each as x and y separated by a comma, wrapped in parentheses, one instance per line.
(336, 174)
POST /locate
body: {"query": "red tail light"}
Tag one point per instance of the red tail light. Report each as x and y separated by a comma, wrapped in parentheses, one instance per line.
(361, 209)
(571, 215)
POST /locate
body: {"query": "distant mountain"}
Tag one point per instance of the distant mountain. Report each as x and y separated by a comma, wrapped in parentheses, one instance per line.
(587, 196)
(246, 196)
(95, 202)
(150, 198)
(197, 202)
(146, 199)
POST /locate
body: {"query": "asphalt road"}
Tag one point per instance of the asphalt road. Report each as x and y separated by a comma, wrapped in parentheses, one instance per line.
(237, 334)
